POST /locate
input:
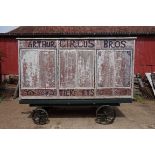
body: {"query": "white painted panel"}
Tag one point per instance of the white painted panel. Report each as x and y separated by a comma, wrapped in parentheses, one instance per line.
(38, 69)
(105, 68)
(85, 69)
(67, 68)
(29, 69)
(123, 68)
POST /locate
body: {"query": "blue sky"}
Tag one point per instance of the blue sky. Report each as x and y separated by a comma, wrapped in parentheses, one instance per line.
(4, 29)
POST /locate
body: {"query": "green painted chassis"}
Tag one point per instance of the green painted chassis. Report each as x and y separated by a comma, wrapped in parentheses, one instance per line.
(75, 102)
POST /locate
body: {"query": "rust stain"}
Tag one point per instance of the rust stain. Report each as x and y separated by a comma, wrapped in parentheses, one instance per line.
(67, 69)
(104, 92)
(47, 69)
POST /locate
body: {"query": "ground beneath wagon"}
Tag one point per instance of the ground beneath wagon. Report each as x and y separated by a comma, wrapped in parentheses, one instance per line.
(136, 115)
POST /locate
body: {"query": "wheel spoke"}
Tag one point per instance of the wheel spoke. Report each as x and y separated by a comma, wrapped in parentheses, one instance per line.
(40, 116)
(105, 115)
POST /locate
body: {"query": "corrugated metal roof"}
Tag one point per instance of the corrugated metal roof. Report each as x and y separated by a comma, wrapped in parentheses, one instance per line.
(26, 31)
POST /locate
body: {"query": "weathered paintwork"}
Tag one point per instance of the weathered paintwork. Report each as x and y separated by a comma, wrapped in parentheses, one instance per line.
(76, 68)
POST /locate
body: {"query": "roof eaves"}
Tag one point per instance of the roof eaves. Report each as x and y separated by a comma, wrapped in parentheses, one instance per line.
(89, 34)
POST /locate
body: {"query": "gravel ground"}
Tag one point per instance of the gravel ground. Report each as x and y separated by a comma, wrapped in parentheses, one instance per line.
(137, 115)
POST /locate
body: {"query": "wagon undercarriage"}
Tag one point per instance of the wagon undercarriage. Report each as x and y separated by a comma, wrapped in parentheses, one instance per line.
(105, 114)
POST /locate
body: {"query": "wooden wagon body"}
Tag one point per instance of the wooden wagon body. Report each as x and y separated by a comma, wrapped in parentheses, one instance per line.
(78, 71)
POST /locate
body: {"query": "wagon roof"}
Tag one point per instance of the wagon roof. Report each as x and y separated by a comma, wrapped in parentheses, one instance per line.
(54, 31)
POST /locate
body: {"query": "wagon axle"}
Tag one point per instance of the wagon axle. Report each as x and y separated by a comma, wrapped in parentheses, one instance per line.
(104, 115)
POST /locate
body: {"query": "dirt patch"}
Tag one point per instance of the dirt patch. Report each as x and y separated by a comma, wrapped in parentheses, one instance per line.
(18, 116)
(7, 91)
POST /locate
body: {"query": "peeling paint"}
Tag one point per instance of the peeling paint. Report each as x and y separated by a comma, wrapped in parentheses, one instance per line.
(38, 69)
(76, 68)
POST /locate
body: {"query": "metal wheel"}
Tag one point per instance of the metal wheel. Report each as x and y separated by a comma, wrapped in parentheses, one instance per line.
(105, 115)
(40, 116)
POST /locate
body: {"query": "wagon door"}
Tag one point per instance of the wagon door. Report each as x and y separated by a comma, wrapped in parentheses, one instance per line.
(37, 69)
(114, 68)
(76, 69)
